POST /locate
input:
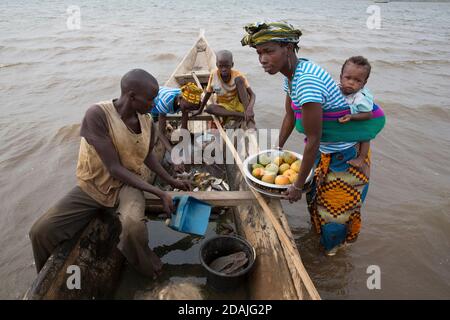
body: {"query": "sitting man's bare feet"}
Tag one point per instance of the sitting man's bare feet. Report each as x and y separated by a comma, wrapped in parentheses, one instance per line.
(157, 270)
(157, 274)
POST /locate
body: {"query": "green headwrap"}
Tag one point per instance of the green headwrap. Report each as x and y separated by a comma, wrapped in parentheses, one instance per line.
(261, 32)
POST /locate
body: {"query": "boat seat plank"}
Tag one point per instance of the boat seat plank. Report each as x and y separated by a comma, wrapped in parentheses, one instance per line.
(201, 117)
(203, 75)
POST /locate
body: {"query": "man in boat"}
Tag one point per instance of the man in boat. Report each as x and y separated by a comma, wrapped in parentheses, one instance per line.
(234, 97)
(171, 101)
(313, 105)
(116, 150)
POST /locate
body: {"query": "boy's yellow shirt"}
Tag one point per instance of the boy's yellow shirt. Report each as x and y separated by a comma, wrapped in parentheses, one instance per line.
(225, 92)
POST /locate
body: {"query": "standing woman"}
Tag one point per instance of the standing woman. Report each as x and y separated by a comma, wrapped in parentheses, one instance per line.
(313, 104)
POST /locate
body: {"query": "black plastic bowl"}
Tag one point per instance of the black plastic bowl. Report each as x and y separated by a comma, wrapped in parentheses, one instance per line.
(220, 246)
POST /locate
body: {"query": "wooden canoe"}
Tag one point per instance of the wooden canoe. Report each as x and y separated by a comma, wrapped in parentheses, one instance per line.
(278, 272)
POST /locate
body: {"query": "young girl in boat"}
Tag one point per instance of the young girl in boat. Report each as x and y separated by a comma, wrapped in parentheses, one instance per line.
(234, 97)
(354, 74)
(173, 100)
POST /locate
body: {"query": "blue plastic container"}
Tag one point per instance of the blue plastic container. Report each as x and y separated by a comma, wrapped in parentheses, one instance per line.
(191, 215)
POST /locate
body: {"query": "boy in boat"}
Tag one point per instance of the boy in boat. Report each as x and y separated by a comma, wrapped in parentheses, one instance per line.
(171, 101)
(234, 97)
(354, 74)
(116, 150)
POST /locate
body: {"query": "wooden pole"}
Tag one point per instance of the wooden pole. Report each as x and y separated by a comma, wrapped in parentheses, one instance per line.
(291, 251)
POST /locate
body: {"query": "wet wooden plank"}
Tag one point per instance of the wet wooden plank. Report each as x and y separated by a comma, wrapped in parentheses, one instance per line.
(270, 219)
(214, 198)
(96, 256)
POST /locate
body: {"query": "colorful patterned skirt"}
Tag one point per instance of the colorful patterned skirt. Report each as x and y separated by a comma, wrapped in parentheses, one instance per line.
(338, 191)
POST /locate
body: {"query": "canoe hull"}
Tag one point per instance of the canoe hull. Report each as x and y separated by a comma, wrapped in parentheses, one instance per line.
(273, 276)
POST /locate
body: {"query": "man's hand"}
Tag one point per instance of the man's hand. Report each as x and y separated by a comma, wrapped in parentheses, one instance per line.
(168, 206)
(345, 118)
(292, 194)
(184, 185)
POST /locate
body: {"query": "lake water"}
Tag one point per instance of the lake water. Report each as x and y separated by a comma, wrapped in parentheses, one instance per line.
(49, 76)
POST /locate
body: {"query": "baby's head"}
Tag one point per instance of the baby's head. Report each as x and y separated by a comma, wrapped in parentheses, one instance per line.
(354, 74)
(224, 63)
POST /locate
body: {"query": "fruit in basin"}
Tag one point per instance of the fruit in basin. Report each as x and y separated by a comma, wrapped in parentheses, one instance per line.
(293, 178)
(284, 167)
(296, 166)
(278, 161)
(288, 157)
(282, 180)
(264, 159)
(291, 174)
(268, 178)
(257, 165)
(258, 173)
(272, 168)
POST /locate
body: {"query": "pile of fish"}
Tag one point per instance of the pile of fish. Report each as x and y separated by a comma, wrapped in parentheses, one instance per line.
(230, 264)
(203, 181)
